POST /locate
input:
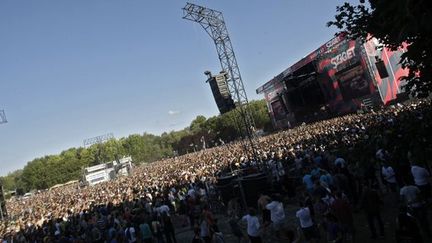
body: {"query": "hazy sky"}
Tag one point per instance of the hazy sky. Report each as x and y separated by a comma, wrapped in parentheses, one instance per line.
(71, 70)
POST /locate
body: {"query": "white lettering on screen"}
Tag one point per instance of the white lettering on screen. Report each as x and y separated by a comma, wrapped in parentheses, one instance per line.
(343, 57)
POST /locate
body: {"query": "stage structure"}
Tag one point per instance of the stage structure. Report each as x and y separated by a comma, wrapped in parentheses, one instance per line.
(99, 139)
(340, 77)
(2, 117)
(221, 94)
(107, 171)
(213, 23)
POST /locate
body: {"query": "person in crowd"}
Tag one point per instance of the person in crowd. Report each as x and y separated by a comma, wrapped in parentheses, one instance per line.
(277, 213)
(340, 162)
(218, 236)
(341, 209)
(421, 179)
(168, 228)
(413, 199)
(308, 181)
(372, 203)
(253, 226)
(333, 229)
(309, 230)
(157, 229)
(263, 200)
(407, 230)
(235, 228)
(326, 179)
(196, 238)
(205, 229)
(103, 212)
(130, 233)
(146, 233)
(389, 176)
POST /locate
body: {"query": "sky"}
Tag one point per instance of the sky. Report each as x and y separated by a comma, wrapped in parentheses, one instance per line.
(72, 70)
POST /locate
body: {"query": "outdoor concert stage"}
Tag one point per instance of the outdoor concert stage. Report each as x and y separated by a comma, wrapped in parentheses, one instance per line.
(339, 77)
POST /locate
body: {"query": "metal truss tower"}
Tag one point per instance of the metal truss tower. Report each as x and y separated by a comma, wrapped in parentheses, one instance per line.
(2, 117)
(97, 140)
(213, 23)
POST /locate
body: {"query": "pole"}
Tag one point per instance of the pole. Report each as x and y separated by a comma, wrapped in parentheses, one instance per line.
(1, 211)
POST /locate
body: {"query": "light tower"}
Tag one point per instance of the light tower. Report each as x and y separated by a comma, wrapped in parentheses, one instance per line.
(98, 140)
(213, 23)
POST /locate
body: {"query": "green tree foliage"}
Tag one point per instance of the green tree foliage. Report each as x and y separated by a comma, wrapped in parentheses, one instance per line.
(42, 173)
(395, 23)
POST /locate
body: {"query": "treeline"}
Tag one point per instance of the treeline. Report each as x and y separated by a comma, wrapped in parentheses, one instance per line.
(42, 173)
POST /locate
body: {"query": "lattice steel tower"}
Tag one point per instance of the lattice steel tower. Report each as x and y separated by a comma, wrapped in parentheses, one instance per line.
(213, 23)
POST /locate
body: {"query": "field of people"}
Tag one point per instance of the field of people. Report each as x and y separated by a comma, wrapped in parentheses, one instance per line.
(346, 164)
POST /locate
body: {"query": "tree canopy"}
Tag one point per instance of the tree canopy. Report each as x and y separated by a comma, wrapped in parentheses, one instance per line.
(42, 173)
(396, 24)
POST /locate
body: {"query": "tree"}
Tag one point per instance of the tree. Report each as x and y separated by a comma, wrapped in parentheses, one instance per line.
(197, 124)
(44, 172)
(395, 23)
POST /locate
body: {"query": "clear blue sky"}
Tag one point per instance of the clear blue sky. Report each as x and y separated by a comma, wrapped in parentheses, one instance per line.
(71, 70)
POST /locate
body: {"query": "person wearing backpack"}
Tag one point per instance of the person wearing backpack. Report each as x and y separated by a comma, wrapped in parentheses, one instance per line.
(130, 233)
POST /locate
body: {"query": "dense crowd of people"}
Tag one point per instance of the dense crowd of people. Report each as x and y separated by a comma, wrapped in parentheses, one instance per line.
(337, 161)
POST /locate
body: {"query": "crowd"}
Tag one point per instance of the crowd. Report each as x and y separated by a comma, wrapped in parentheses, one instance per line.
(336, 159)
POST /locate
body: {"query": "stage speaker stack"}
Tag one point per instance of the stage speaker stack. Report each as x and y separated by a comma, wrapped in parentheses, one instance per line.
(253, 185)
(227, 187)
(382, 70)
(221, 93)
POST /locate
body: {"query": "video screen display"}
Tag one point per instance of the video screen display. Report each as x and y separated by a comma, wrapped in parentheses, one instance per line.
(278, 110)
(353, 82)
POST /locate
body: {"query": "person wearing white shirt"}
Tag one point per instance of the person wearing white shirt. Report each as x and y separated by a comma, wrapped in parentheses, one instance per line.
(303, 214)
(389, 176)
(418, 207)
(421, 177)
(253, 226)
(277, 213)
(306, 223)
(410, 194)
